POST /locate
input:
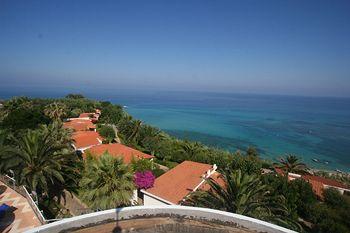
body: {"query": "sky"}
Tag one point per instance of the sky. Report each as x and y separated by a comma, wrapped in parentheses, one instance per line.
(294, 47)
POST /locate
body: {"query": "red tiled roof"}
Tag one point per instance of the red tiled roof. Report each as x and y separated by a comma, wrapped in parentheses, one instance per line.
(118, 150)
(317, 187)
(180, 181)
(279, 171)
(325, 181)
(92, 116)
(79, 125)
(317, 183)
(217, 177)
(83, 139)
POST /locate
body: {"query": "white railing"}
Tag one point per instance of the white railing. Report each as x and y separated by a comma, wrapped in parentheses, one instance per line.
(38, 212)
(24, 192)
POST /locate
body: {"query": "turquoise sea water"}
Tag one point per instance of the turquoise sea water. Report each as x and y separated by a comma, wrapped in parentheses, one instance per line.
(277, 125)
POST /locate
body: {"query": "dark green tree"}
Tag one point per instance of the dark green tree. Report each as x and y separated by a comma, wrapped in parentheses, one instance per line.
(75, 96)
(6, 151)
(292, 164)
(42, 159)
(107, 183)
(21, 113)
(107, 132)
(111, 114)
(251, 151)
(56, 111)
(238, 193)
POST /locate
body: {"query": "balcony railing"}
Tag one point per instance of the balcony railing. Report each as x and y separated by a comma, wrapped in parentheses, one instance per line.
(11, 182)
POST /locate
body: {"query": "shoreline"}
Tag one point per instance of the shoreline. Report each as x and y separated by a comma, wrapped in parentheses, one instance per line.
(263, 154)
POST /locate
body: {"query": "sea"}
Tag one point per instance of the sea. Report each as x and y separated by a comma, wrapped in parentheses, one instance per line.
(316, 129)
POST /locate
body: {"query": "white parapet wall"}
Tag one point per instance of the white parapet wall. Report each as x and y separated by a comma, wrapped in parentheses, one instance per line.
(201, 214)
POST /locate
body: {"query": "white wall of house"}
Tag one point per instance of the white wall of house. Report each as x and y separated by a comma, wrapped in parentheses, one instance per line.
(149, 200)
(341, 190)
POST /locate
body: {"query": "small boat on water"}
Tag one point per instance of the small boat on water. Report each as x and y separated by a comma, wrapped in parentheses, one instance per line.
(321, 161)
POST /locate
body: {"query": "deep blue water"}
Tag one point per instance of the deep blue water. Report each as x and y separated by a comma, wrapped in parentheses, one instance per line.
(309, 127)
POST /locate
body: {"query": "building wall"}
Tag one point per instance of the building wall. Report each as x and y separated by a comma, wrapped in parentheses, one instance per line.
(148, 200)
(341, 190)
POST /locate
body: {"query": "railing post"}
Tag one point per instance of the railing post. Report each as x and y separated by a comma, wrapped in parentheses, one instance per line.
(35, 197)
(13, 178)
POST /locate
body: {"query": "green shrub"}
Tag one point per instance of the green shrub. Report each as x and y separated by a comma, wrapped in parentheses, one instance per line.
(107, 132)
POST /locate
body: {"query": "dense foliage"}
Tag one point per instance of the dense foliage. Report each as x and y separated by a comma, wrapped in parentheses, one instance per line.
(142, 165)
(332, 215)
(107, 182)
(107, 132)
(292, 164)
(42, 160)
(243, 193)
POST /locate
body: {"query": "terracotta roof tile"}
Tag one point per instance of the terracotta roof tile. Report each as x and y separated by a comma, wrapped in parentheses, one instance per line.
(79, 125)
(217, 177)
(118, 150)
(317, 187)
(279, 171)
(83, 139)
(325, 181)
(180, 181)
(317, 183)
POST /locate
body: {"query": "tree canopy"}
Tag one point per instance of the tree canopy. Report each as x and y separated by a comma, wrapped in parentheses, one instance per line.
(107, 182)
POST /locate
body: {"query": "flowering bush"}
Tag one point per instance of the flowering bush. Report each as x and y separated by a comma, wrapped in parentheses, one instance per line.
(144, 180)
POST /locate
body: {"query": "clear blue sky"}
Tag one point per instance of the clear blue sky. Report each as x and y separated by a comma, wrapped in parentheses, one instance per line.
(283, 47)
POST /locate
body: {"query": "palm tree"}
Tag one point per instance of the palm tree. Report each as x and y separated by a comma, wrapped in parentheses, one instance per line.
(129, 129)
(136, 126)
(42, 159)
(107, 182)
(243, 194)
(55, 110)
(5, 151)
(292, 164)
(16, 103)
(191, 148)
(237, 193)
(151, 138)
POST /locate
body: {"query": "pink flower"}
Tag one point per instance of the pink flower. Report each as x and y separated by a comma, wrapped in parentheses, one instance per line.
(144, 180)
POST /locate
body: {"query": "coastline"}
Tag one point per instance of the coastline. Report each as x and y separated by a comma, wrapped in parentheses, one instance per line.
(275, 131)
(275, 125)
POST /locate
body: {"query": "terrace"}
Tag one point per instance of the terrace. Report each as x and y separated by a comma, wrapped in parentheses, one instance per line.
(23, 214)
